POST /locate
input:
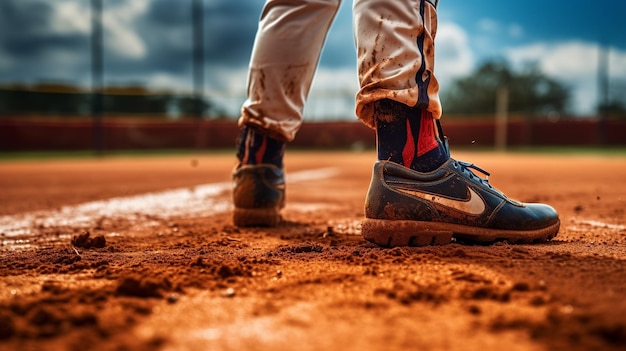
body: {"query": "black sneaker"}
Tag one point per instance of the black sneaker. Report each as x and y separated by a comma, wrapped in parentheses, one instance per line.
(409, 208)
(258, 195)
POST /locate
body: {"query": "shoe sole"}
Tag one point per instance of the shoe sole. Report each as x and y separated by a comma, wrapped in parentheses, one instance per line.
(392, 233)
(264, 217)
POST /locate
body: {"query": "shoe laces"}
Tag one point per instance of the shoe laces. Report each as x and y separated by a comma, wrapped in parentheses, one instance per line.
(466, 168)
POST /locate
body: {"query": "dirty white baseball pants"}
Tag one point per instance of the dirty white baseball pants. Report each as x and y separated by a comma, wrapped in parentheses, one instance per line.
(395, 56)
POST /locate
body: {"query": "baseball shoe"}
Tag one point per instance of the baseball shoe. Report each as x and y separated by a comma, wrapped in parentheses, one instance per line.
(409, 208)
(259, 195)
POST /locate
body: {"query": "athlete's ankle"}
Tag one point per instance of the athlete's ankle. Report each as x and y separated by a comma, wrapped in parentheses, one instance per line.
(406, 135)
(254, 147)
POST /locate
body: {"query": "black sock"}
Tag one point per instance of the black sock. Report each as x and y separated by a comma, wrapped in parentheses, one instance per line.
(256, 148)
(406, 135)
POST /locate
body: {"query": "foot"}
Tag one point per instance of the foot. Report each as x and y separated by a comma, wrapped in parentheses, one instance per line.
(259, 195)
(405, 207)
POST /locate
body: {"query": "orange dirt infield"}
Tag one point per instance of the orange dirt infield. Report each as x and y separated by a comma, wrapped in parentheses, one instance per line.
(164, 269)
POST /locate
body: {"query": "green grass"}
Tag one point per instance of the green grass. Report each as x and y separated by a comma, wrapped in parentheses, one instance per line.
(614, 151)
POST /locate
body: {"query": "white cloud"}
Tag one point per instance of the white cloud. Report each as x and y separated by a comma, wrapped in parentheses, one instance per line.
(617, 64)
(120, 35)
(334, 80)
(227, 87)
(227, 80)
(171, 82)
(454, 57)
(333, 94)
(71, 17)
(573, 63)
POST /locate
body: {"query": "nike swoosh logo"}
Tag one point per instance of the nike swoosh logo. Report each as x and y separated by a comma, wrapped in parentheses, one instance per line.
(474, 205)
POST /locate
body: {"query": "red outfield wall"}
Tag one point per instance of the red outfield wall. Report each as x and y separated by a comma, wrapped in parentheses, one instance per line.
(79, 134)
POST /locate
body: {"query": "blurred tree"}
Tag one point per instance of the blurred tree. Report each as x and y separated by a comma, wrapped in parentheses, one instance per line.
(530, 91)
(614, 109)
(189, 105)
(62, 99)
(135, 100)
(43, 98)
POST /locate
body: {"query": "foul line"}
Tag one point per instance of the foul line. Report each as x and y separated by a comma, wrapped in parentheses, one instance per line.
(192, 201)
(598, 224)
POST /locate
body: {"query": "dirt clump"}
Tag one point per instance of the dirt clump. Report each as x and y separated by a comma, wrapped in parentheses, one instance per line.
(143, 286)
(85, 241)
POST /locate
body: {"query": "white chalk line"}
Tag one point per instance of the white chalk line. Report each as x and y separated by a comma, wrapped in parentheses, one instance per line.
(201, 200)
(595, 224)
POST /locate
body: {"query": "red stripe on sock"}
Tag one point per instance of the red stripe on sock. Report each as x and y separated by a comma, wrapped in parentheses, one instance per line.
(258, 156)
(408, 153)
(426, 140)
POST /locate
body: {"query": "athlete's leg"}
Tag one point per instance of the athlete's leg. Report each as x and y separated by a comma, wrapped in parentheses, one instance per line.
(418, 194)
(284, 59)
(396, 55)
(399, 95)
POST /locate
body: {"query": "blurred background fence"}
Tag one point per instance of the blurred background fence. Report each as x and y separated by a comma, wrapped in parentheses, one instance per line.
(63, 133)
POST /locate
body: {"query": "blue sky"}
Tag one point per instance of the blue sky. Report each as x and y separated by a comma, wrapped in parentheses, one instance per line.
(149, 42)
(547, 20)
